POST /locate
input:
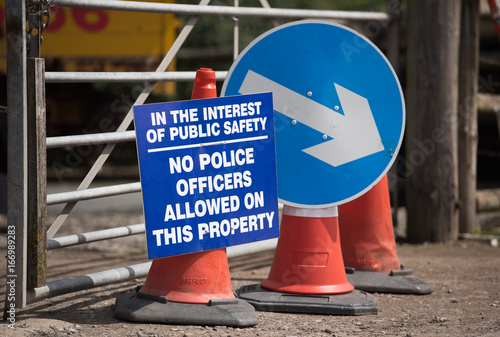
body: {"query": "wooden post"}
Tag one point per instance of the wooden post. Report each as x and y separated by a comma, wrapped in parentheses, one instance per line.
(431, 139)
(467, 114)
(37, 175)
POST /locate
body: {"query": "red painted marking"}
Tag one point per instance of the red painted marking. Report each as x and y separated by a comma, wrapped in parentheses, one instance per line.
(81, 19)
(2, 16)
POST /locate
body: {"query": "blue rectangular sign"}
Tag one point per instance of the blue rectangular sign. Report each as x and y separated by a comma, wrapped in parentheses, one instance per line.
(208, 173)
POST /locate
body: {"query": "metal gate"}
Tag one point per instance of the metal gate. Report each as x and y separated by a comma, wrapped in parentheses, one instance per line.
(29, 238)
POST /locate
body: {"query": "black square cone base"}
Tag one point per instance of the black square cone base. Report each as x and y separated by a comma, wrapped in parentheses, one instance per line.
(396, 282)
(144, 308)
(349, 304)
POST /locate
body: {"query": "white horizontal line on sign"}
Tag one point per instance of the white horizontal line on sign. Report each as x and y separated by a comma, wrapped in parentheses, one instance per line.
(240, 140)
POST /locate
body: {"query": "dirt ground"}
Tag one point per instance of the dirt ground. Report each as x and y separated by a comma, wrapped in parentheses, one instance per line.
(465, 276)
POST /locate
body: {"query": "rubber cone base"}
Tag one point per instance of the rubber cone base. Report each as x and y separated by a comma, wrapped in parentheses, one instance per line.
(395, 282)
(140, 307)
(353, 303)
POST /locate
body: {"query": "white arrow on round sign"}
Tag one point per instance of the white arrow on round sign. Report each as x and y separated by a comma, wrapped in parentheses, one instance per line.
(339, 110)
(356, 129)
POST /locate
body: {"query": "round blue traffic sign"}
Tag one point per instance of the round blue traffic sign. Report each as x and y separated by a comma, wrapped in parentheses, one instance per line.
(339, 110)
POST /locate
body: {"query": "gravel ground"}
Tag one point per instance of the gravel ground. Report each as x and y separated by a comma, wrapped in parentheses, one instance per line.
(465, 276)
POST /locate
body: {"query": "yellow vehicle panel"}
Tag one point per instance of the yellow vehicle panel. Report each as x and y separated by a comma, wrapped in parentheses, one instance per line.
(76, 33)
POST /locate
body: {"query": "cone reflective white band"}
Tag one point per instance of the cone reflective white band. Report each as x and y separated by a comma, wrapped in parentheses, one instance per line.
(311, 212)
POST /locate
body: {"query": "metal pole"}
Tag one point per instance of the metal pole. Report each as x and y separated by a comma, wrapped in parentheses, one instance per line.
(86, 77)
(105, 234)
(236, 34)
(16, 156)
(88, 281)
(91, 139)
(91, 193)
(150, 7)
(266, 4)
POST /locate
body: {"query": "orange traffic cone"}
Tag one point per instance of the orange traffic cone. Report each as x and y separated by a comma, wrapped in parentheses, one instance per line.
(191, 278)
(204, 84)
(193, 288)
(369, 246)
(307, 274)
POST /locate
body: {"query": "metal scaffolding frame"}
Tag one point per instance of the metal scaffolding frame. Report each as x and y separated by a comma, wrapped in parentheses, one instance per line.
(21, 105)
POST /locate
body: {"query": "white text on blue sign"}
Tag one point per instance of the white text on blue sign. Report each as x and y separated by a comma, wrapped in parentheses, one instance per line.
(208, 173)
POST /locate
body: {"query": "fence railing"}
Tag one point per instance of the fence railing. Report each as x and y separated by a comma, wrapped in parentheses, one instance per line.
(27, 206)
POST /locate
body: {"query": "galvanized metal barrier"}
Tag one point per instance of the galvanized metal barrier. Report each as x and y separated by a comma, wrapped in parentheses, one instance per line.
(27, 196)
